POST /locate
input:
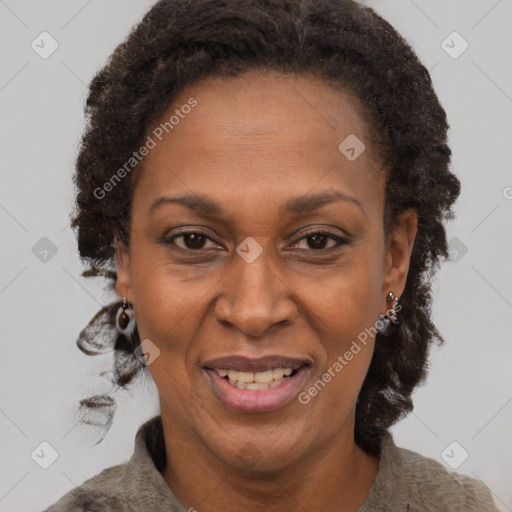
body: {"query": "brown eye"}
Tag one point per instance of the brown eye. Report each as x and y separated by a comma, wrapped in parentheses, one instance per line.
(193, 240)
(189, 240)
(318, 241)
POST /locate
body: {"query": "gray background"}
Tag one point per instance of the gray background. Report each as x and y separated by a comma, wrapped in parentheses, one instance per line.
(44, 304)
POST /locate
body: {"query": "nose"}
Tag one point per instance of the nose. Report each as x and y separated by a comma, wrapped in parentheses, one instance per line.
(254, 297)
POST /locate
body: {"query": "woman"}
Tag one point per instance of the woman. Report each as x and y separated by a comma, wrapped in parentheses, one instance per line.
(266, 182)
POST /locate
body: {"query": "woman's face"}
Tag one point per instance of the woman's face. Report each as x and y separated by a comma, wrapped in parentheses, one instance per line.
(255, 170)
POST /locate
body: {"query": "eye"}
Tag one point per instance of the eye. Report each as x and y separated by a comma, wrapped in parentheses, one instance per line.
(317, 241)
(190, 240)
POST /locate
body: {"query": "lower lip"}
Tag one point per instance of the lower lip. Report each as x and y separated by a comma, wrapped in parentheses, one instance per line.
(260, 400)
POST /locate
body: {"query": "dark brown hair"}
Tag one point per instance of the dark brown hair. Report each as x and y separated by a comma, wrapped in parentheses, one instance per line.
(179, 42)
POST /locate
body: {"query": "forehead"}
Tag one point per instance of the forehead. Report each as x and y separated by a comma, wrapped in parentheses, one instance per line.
(262, 135)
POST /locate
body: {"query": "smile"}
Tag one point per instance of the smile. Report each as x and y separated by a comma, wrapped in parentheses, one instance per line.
(274, 382)
(256, 380)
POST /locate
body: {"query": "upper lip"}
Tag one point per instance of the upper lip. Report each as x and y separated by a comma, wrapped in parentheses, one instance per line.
(247, 364)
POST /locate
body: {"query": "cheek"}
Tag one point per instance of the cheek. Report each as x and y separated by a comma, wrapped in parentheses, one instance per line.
(341, 382)
(166, 307)
(346, 310)
(167, 314)
(164, 294)
(348, 300)
(346, 336)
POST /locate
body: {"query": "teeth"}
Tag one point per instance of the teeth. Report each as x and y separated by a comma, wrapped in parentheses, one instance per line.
(232, 375)
(246, 377)
(268, 378)
(251, 385)
(264, 377)
(278, 374)
(256, 385)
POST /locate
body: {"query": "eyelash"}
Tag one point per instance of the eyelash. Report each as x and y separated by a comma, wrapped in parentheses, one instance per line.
(340, 241)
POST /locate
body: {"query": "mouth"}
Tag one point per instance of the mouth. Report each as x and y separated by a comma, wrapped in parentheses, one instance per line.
(257, 385)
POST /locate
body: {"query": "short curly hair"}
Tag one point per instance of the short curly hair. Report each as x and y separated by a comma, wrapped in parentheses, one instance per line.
(177, 43)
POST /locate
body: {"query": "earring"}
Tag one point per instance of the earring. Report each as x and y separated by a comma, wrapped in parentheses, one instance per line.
(392, 302)
(125, 318)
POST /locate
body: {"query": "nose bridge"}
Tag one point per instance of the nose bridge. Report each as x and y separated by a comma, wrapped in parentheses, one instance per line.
(254, 298)
(255, 278)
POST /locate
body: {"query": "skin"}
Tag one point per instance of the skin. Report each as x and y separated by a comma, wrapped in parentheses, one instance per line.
(252, 143)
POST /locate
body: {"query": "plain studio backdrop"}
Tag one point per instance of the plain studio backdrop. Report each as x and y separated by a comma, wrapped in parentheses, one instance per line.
(462, 415)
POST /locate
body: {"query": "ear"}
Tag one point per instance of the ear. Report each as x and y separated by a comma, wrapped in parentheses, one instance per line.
(398, 254)
(123, 281)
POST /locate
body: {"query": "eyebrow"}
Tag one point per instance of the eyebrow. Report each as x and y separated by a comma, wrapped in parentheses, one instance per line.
(297, 206)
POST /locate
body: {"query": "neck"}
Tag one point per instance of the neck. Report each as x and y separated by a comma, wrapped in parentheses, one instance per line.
(334, 477)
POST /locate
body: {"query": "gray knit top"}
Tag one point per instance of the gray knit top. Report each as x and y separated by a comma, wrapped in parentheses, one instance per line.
(405, 481)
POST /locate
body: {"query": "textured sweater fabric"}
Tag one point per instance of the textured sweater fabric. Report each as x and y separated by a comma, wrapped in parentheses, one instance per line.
(405, 481)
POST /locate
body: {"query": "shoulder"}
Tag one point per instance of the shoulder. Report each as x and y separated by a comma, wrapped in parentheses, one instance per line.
(136, 485)
(99, 493)
(431, 486)
(409, 482)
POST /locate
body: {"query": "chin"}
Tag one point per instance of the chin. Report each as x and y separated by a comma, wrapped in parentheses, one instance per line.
(266, 452)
